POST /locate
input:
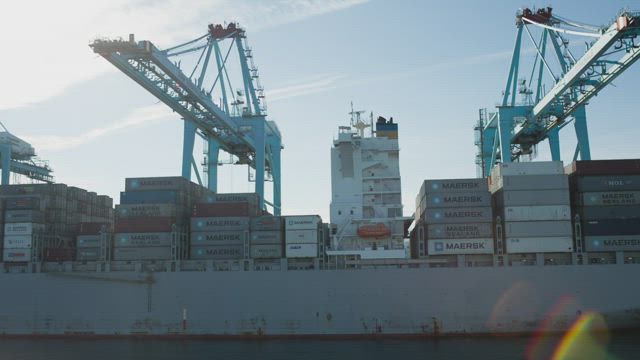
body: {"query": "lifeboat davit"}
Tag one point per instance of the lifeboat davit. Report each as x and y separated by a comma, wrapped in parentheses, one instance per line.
(374, 230)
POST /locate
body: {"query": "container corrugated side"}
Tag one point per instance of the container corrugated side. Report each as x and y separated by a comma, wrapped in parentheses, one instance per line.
(142, 239)
(610, 212)
(301, 250)
(453, 200)
(219, 223)
(148, 210)
(266, 237)
(88, 254)
(152, 197)
(460, 231)
(608, 183)
(16, 255)
(302, 222)
(611, 227)
(611, 198)
(228, 252)
(224, 210)
(612, 243)
(517, 245)
(459, 215)
(459, 246)
(453, 185)
(301, 236)
(145, 224)
(538, 228)
(536, 213)
(157, 183)
(528, 168)
(18, 241)
(88, 241)
(266, 251)
(532, 198)
(22, 228)
(141, 253)
(529, 182)
(266, 223)
(604, 167)
(217, 238)
(31, 216)
(251, 198)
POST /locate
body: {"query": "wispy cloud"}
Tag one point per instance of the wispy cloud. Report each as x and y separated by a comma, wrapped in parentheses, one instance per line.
(139, 117)
(320, 84)
(53, 36)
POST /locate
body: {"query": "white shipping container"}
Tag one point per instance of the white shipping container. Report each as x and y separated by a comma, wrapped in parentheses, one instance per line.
(302, 222)
(539, 244)
(537, 213)
(21, 228)
(459, 246)
(266, 251)
(301, 236)
(527, 168)
(301, 250)
(88, 241)
(16, 255)
(18, 241)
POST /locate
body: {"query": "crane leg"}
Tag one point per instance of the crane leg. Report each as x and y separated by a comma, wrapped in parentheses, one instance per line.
(212, 167)
(277, 180)
(5, 158)
(258, 132)
(580, 125)
(187, 148)
(554, 144)
(504, 133)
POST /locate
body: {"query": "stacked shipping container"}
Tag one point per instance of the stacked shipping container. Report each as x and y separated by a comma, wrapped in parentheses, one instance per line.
(606, 199)
(266, 237)
(532, 200)
(302, 236)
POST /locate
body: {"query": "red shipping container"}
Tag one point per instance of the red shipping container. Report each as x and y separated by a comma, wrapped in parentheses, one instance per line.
(145, 224)
(92, 228)
(604, 167)
(59, 254)
(222, 209)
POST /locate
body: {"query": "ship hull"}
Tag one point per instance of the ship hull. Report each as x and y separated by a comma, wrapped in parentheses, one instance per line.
(366, 302)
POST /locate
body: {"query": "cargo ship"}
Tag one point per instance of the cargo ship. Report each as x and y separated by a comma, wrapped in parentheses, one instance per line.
(530, 248)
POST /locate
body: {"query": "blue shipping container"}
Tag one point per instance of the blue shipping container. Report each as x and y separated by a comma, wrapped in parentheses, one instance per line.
(150, 197)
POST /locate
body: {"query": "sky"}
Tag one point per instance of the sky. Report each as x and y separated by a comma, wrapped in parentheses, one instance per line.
(430, 65)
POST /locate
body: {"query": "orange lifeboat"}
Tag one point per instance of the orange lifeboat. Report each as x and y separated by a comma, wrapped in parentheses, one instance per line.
(374, 230)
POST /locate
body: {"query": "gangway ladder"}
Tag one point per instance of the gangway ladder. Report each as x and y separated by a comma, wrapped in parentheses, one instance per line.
(577, 228)
(178, 239)
(499, 242)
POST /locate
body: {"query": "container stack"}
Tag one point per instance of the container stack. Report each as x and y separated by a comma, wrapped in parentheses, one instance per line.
(606, 202)
(93, 242)
(220, 226)
(532, 199)
(302, 236)
(152, 218)
(266, 237)
(456, 217)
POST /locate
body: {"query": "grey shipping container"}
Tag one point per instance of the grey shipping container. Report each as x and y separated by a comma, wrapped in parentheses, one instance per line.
(88, 254)
(460, 199)
(218, 238)
(536, 213)
(453, 185)
(88, 241)
(219, 224)
(142, 253)
(460, 231)
(32, 216)
(538, 228)
(611, 227)
(216, 252)
(612, 243)
(251, 198)
(266, 251)
(611, 198)
(266, 237)
(148, 210)
(142, 239)
(532, 198)
(262, 223)
(608, 183)
(610, 212)
(529, 182)
(459, 215)
(157, 183)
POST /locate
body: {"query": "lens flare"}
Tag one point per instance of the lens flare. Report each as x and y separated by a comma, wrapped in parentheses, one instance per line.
(587, 339)
(559, 317)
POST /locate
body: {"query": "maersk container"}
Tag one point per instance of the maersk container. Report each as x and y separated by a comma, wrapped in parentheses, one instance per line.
(23, 216)
(16, 255)
(460, 199)
(612, 243)
(518, 245)
(224, 210)
(611, 198)
(302, 222)
(301, 250)
(145, 225)
(527, 168)
(250, 198)
(141, 253)
(610, 212)
(219, 223)
(23, 203)
(536, 213)
(22, 228)
(142, 239)
(266, 251)
(157, 183)
(148, 210)
(453, 185)
(459, 246)
(88, 241)
(611, 227)
(532, 198)
(538, 228)
(18, 241)
(301, 236)
(604, 167)
(529, 182)
(608, 183)
(152, 197)
(88, 254)
(226, 238)
(265, 237)
(460, 231)
(266, 223)
(228, 252)
(459, 215)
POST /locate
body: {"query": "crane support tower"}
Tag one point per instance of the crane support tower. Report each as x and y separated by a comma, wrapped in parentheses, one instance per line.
(227, 118)
(19, 157)
(558, 86)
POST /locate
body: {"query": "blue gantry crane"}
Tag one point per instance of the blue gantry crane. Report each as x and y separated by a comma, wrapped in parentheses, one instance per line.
(515, 129)
(19, 157)
(227, 118)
